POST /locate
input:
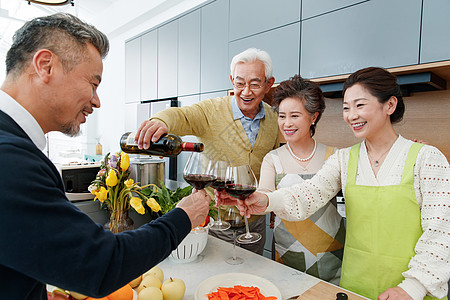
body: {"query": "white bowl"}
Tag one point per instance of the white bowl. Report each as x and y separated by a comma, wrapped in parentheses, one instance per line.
(192, 245)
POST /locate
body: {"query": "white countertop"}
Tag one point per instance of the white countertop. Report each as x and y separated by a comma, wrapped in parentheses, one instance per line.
(211, 262)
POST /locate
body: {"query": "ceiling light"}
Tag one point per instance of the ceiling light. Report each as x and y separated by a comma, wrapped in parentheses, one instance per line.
(51, 2)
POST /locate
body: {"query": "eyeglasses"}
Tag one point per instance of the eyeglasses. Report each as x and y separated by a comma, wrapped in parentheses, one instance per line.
(252, 86)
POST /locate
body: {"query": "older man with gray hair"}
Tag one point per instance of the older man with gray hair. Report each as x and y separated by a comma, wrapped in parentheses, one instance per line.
(240, 128)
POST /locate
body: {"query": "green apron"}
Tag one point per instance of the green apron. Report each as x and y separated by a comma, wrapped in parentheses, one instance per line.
(383, 227)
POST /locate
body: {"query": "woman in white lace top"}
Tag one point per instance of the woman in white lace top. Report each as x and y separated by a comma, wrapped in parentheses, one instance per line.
(397, 196)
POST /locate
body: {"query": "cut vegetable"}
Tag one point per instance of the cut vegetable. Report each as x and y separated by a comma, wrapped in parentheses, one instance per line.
(238, 292)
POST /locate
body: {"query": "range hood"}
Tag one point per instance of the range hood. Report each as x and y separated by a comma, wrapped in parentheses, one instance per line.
(409, 83)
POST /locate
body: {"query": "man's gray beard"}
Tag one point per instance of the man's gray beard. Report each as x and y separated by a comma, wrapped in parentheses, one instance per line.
(71, 129)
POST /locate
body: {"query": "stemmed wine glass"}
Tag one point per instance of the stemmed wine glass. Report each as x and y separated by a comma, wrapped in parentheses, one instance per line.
(241, 183)
(220, 171)
(235, 220)
(198, 171)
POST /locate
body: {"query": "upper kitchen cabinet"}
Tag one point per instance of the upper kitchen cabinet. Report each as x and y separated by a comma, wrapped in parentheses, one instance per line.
(215, 70)
(189, 54)
(435, 45)
(311, 8)
(366, 34)
(168, 60)
(133, 70)
(282, 44)
(149, 66)
(254, 16)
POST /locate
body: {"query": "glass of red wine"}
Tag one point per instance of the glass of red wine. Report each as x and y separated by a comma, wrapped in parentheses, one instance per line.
(241, 184)
(220, 172)
(199, 170)
(233, 217)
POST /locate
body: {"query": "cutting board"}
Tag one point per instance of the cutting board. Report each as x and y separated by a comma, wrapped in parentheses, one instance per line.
(326, 291)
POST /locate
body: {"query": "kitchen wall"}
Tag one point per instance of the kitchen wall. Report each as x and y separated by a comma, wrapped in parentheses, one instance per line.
(185, 51)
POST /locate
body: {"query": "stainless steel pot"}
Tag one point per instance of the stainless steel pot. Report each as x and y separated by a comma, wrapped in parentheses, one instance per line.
(147, 170)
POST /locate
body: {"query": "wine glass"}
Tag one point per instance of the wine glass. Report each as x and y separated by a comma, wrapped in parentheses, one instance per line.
(235, 220)
(198, 171)
(220, 171)
(241, 183)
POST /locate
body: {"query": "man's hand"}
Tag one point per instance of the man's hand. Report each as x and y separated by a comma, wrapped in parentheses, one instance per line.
(196, 206)
(150, 131)
(395, 293)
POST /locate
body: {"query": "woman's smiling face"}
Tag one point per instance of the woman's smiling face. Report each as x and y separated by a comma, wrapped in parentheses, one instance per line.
(362, 111)
(294, 120)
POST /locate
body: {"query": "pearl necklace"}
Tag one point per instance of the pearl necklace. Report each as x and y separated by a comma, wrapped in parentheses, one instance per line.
(303, 159)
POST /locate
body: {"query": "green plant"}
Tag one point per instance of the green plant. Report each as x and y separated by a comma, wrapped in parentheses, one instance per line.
(168, 198)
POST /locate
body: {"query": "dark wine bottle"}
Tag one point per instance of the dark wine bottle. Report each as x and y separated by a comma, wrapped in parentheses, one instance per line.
(169, 145)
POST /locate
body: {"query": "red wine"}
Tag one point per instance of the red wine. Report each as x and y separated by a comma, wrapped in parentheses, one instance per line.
(240, 191)
(236, 224)
(220, 184)
(199, 181)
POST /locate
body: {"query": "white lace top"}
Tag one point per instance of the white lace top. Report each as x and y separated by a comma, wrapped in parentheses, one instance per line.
(429, 269)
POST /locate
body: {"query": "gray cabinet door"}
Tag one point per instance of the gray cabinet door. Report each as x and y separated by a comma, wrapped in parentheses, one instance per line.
(215, 70)
(381, 33)
(167, 60)
(282, 44)
(149, 66)
(435, 44)
(133, 70)
(311, 8)
(189, 54)
(254, 16)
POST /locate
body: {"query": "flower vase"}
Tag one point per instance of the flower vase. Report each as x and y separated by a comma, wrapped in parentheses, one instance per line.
(119, 221)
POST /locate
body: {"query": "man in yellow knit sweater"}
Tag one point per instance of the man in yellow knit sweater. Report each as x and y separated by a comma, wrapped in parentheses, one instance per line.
(241, 128)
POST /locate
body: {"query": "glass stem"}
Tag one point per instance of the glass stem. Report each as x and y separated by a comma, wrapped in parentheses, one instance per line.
(247, 231)
(234, 244)
(219, 219)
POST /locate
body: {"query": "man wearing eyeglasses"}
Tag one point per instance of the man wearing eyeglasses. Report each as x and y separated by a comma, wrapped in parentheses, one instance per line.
(241, 128)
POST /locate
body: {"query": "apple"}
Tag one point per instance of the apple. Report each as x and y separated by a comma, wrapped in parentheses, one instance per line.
(149, 281)
(173, 289)
(150, 293)
(135, 282)
(155, 271)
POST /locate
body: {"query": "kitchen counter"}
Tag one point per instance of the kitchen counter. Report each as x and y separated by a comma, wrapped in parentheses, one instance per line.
(211, 262)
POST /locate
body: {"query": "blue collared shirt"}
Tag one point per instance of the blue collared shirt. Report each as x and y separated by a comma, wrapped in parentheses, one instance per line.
(251, 126)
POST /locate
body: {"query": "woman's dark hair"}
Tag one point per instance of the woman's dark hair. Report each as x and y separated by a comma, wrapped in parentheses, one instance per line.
(304, 90)
(381, 84)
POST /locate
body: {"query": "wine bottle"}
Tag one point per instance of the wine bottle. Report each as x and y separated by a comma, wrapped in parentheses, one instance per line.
(169, 145)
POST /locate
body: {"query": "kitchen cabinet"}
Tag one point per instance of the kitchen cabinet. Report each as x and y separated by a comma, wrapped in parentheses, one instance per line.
(168, 60)
(366, 34)
(132, 70)
(282, 44)
(311, 8)
(435, 45)
(189, 54)
(264, 16)
(149, 66)
(215, 70)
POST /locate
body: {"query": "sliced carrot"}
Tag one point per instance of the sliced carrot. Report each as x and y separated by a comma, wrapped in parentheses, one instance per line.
(238, 292)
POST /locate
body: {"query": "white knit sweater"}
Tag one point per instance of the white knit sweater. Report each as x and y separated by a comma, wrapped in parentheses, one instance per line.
(429, 269)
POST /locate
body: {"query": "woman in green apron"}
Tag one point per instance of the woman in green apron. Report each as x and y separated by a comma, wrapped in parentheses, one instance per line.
(396, 193)
(315, 245)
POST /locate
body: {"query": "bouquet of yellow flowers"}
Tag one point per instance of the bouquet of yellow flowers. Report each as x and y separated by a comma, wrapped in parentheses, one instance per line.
(113, 187)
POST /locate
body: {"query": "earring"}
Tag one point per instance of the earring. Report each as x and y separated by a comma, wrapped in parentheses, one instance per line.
(313, 124)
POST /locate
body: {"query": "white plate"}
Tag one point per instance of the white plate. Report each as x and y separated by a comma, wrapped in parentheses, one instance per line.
(211, 284)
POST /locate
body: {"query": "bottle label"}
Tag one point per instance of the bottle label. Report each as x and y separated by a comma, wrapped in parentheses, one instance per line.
(130, 139)
(188, 146)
